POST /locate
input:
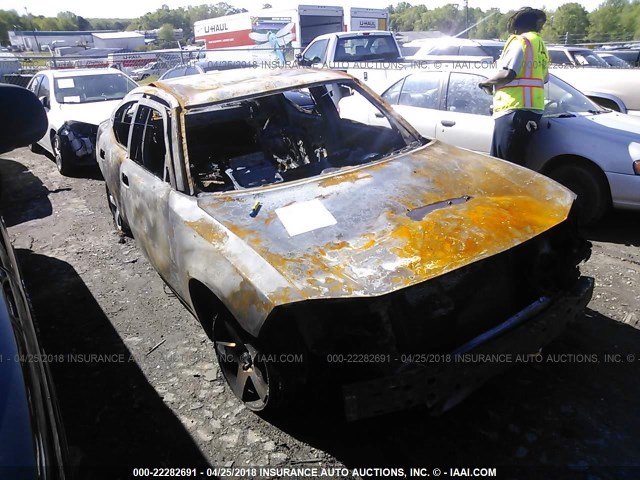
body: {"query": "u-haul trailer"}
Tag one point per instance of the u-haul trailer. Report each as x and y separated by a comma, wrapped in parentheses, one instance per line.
(269, 34)
(367, 19)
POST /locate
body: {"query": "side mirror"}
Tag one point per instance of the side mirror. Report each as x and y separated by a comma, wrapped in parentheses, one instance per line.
(298, 56)
(45, 102)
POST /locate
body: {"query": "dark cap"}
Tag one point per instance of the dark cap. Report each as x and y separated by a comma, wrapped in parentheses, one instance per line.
(526, 19)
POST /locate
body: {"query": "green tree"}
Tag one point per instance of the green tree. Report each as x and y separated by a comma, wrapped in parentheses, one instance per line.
(570, 22)
(67, 21)
(166, 33)
(9, 20)
(607, 22)
(491, 27)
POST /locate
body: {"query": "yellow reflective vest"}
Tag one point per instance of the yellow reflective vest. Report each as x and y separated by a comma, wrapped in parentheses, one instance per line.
(527, 89)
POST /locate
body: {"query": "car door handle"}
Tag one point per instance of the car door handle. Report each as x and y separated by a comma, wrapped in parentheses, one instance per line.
(447, 123)
(101, 153)
(125, 179)
(378, 115)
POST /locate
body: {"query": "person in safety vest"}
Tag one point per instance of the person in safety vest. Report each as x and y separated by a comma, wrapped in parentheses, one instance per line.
(518, 88)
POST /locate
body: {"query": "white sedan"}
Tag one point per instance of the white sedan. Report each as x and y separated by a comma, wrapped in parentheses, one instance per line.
(593, 151)
(77, 101)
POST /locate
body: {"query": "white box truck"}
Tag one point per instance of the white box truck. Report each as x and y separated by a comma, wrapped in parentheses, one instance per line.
(269, 34)
(366, 19)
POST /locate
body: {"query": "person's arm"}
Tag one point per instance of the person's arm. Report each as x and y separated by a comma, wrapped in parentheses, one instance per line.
(498, 80)
(510, 64)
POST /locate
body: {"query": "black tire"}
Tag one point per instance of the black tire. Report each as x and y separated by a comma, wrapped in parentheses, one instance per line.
(118, 221)
(251, 374)
(587, 182)
(61, 154)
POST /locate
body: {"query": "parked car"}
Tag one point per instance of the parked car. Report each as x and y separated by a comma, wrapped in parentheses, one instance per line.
(452, 47)
(182, 71)
(300, 238)
(32, 439)
(631, 56)
(579, 56)
(151, 68)
(613, 60)
(76, 102)
(593, 151)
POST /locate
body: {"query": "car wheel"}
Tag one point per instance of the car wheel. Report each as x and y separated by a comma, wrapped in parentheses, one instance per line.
(118, 221)
(61, 154)
(587, 183)
(251, 375)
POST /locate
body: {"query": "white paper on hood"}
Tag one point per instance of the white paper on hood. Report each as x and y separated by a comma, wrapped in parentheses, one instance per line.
(302, 217)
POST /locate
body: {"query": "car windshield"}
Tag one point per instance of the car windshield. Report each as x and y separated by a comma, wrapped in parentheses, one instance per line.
(561, 98)
(494, 50)
(286, 136)
(368, 47)
(589, 58)
(92, 88)
(615, 61)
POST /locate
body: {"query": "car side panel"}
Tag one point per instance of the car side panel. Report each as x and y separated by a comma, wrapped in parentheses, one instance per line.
(466, 130)
(423, 119)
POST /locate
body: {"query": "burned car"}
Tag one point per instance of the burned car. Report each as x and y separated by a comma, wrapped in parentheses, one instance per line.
(77, 101)
(311, 246)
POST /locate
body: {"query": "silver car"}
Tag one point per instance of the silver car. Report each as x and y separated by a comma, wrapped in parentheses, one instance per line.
(593, 151)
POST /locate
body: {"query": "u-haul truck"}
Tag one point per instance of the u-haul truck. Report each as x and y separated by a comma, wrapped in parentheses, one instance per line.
(367, 19)
(271, 34)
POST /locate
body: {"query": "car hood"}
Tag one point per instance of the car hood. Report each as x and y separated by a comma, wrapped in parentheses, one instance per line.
(623, 123)
(604, 80)
(93, 112)
(373, 245)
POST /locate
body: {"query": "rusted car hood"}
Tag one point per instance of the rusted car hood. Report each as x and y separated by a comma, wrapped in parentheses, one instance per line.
(374, 247)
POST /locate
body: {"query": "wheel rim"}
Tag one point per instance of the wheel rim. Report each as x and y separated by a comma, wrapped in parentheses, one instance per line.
(57, 152)
(242, 365)
(115, 211)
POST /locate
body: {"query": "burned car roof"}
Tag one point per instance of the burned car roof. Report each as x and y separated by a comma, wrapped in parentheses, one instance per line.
(200, 90)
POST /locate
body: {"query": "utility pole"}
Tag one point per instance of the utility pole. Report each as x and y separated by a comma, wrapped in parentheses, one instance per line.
(466, 17)
(33, 30)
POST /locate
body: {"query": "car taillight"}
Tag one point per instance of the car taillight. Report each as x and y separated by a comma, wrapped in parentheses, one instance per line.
(636, 167)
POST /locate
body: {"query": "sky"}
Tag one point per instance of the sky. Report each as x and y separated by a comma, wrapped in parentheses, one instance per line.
(129, 9)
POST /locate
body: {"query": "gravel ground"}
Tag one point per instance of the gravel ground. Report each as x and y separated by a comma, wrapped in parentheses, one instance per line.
(152, 394)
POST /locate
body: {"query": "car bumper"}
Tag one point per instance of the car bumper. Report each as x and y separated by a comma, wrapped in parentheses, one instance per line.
(444, 380)
(625, 190)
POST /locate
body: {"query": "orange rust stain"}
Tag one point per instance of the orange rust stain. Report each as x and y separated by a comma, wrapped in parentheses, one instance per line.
(207, 231)
(368, 245)
(249, 235)
(344, 178)
(270, 218)
(247, 299)
(458, 235)
(337, 245)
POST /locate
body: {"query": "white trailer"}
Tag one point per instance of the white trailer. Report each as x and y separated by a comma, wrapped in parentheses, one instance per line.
(270, 34)
(367, 19)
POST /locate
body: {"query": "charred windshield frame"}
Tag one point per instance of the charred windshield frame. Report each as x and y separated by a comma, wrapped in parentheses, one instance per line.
(286, 135)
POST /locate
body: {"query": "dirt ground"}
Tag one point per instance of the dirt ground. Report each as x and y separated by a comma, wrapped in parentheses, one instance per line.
(130, 405)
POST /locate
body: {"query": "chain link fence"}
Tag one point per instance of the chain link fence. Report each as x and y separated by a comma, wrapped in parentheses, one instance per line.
(18, 69)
